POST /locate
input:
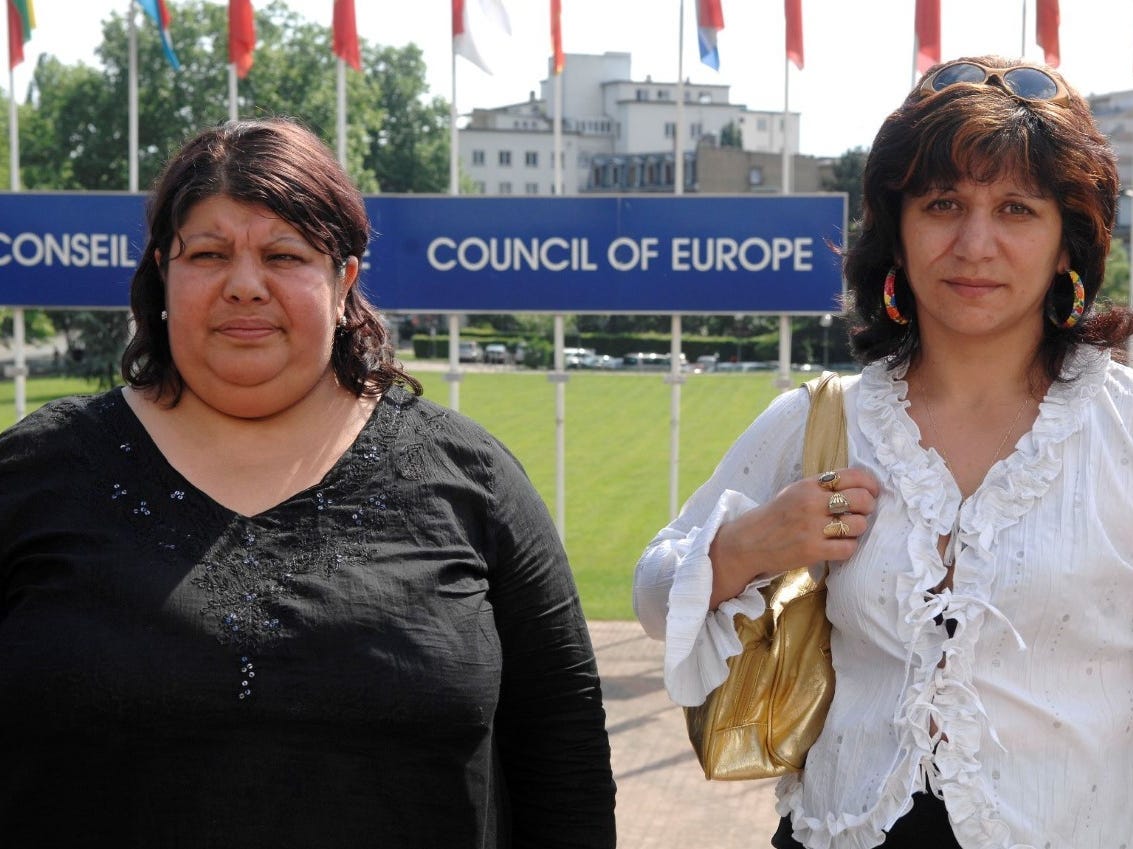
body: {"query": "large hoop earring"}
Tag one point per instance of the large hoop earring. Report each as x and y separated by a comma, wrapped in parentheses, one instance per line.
(1077, 308)
(889, 296)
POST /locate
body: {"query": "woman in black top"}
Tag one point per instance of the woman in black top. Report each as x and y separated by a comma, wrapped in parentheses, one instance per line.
(266, 595)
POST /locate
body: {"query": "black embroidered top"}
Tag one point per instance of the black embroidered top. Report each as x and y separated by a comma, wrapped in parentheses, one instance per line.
(395, 657)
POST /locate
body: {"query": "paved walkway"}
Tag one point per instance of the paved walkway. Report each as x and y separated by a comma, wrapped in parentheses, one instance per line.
(663, 799)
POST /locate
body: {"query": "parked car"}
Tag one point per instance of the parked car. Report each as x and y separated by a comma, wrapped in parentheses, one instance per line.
(605, 361)
(495, 353)
(579, 357)
(706, 362)
(642, 360)
(470, 352)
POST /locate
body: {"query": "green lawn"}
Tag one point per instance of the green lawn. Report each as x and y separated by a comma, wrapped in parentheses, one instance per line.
(617, 446)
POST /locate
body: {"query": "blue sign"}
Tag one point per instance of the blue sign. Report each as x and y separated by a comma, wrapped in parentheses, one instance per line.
(627, 254)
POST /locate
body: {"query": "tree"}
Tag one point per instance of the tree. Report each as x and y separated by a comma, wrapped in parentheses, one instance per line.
(79, 133)
(731, 135)
(74, 131)
(409, 151)
(1115, 288)
(847, 177)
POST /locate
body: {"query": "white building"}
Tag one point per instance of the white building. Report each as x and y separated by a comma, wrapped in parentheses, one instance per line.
(1114, 114)
(609, 121)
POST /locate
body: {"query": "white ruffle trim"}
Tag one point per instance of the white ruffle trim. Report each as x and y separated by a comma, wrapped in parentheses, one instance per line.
(696, 639)
(945, 697)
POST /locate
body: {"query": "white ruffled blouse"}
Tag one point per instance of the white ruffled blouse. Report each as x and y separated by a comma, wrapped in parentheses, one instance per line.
(1026, 729)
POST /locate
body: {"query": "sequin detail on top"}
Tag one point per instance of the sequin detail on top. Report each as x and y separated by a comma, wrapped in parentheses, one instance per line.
(247, 581)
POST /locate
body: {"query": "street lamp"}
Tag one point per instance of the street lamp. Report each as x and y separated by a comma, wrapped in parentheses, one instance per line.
(825, 322)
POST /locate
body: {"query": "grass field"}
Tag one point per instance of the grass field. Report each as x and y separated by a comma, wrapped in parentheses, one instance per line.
(617, 452)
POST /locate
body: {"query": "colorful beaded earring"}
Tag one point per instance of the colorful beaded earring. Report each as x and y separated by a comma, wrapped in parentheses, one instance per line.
(1077, 309)
(889, 296)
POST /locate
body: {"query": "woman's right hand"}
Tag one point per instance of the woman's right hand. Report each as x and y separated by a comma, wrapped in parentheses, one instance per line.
(798, 527)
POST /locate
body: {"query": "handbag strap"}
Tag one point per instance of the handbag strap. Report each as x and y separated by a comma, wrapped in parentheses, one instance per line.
(824, 440)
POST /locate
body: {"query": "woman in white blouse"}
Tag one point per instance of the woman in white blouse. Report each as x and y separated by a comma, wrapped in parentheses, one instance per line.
(982, 608)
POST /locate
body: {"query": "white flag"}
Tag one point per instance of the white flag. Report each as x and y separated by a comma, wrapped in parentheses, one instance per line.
(477, 27)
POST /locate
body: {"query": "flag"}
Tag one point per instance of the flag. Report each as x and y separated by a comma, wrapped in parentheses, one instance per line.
(557, 34)
(475, 21)
(709, 22)
(241, 35)
(928, 34)
(1046, 30)
(21, 21)
(794, 13)
(346, 34)
(159, 13)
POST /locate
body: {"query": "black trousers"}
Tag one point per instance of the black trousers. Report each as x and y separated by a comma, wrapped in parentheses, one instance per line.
(926, 826)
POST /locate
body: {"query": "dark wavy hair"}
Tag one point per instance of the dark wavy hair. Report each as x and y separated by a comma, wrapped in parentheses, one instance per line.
(982, 132)
(278, 164)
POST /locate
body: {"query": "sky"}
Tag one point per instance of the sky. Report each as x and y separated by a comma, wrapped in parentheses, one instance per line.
(858, 53)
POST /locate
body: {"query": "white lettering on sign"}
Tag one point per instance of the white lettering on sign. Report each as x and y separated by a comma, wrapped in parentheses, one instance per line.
(71, 250)
(514, 254)
(723, 253)
(625, 253)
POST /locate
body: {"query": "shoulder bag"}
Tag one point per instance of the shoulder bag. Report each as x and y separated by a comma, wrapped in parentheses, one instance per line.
(763, 719)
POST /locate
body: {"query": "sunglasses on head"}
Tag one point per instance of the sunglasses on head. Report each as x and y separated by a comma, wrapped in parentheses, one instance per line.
(1025, 82)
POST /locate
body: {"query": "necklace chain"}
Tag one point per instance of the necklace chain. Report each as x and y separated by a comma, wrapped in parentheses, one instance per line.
(1002, 442)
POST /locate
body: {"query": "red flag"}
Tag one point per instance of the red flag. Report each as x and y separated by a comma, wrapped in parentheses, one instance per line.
(21, 21)
(346, 34)
(241, 35)
(1046, 30)
(928, 34)
(794, 11)
(557, 34)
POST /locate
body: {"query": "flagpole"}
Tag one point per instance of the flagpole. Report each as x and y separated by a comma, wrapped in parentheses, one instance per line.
(19, 371)
(453, 376)
(786, 125)
(132, 88)
(557, 133)
(453, 152)
(916, 55)
(678, 134)
(233, 106)
(674, 378)
(13, 133)
(783, 380)
(340, 122)
(1023, 33)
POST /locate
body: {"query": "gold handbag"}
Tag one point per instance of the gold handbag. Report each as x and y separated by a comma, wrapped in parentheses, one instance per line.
(763, 719)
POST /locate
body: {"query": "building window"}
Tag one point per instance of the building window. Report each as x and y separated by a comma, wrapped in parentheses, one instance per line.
(670, 129)
(477, 157)
(642, 94)
(761, 125)
(662, 94)
(505, 188)
(531, 158)
(481, 187)
(531, 188)
(505, 157)
(695, 131)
